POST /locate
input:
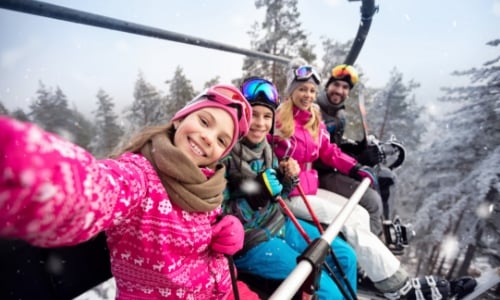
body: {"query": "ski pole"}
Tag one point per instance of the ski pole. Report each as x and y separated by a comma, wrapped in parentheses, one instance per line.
(321, 231)
(310, 209)
(289, 286)
(292, 217)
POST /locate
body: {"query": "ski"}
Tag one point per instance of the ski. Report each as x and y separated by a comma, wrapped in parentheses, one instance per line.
(485, 282)
(370, 295)
(362, 115)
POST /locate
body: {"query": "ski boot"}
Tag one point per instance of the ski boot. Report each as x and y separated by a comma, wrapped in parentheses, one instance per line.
(396, 235)
(433, 288)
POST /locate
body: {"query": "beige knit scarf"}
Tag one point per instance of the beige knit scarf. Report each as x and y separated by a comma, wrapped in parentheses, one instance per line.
(185, 183)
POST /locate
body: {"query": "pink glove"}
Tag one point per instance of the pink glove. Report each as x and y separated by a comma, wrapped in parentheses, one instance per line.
(227, 235)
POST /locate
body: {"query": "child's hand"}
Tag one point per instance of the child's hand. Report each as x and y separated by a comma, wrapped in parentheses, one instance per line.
(290, 167)
(269, 180)
(227, 235)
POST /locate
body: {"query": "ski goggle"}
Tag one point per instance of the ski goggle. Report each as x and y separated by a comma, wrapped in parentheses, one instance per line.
(345, 72)
(257, 89)
(231, 96)
(303, 73)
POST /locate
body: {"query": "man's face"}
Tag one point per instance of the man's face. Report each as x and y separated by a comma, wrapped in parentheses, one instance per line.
(337, 91)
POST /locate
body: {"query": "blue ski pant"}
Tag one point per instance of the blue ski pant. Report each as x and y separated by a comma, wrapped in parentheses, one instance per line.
(277, 257)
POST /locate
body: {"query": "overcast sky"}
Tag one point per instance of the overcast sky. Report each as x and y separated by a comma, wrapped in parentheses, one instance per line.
(424, 39)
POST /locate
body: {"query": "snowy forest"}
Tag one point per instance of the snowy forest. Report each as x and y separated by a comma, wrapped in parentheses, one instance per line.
(448, 188)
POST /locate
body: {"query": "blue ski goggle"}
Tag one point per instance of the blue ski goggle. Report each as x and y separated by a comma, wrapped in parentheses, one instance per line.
(256, 89)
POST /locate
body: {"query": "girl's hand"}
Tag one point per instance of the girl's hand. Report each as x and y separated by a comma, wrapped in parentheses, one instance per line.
(227, 235)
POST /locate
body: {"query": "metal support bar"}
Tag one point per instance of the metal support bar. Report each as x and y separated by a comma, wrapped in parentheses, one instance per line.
(72, 15)
(293, 282)
(368, 9)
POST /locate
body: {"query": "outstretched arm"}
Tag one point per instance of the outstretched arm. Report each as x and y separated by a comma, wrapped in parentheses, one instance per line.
(55, 193)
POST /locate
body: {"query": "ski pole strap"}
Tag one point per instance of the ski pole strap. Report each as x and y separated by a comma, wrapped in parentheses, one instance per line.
(234, 282)
(342, 274)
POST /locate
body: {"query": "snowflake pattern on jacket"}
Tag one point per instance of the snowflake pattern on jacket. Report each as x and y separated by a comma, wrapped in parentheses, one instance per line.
(54, 193)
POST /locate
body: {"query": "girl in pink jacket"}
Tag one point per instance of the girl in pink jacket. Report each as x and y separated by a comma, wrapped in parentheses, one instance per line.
(158, 200)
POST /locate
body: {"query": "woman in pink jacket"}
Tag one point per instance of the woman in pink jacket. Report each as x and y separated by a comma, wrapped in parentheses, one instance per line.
(158, 200)
(302, 135)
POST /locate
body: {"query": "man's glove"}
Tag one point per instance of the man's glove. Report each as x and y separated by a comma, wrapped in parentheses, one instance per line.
(359, 172)
(353, 148)
(227, 235)
(269, 179)
(370, 156)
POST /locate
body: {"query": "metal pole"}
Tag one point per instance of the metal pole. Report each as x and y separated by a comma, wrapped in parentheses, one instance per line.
(306, 237)
(368, 9)
(72, 15)
(293, 282)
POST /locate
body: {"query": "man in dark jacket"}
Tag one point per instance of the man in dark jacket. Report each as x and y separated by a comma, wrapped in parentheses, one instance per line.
(331, 101)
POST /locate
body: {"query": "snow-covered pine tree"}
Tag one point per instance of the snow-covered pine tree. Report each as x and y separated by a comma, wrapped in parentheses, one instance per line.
(146, 109)
(51, 111)
(3, 109)
(279, 34)
(108, 130)
(458, 188)
(180, 92)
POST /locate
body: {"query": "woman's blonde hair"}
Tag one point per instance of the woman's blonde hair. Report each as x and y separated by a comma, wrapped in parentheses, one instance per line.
(285, 119)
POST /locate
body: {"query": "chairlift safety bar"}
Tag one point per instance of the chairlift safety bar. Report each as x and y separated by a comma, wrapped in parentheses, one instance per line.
(293, 282)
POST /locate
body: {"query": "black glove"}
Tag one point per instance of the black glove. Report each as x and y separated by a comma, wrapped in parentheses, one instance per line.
(353, 148)
(370, 156)
(359, 172)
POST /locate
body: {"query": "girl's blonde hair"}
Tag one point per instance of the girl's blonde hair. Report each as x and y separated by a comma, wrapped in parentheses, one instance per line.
(142, 137)
(285, 119)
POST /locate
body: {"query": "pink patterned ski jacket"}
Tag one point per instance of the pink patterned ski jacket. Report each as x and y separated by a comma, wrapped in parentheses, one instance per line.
(55, 193)
(302, 147)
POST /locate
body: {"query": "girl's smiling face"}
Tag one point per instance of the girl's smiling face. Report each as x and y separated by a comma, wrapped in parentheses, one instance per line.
(304, 95)
(262, 122)
(204, 135)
